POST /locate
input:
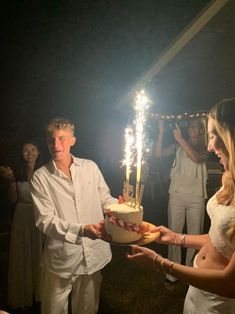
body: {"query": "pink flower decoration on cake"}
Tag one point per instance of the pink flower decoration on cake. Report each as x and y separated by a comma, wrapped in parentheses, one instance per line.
(126, 225)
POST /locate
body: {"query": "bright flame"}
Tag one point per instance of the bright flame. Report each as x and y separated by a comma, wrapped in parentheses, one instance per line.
(128, 151)
(141, 105)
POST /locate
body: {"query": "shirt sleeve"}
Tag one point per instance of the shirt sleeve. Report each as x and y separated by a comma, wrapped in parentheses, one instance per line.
(45, 215)
(105, 197)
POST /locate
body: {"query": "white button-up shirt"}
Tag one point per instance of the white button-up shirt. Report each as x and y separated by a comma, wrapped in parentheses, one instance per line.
(62, 206)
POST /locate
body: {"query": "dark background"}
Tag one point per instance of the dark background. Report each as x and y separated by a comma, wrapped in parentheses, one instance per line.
(79, 59)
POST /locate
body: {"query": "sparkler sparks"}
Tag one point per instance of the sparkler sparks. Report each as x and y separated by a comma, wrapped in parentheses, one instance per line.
(134, 146)
(141, 105)
(128, 151)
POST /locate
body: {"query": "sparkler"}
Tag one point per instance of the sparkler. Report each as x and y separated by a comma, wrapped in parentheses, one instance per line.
(135, 142)
(128, 160)
(141, 105)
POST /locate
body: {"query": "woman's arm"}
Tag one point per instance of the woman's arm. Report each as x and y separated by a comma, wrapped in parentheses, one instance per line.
(7, 174)
(159, 150)
(194, 155)
(167, 236)
(12, 193)
(221, 282)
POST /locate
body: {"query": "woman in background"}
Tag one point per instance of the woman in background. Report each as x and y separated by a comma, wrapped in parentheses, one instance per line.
(26, 239)
(187, 191)
(212, 279)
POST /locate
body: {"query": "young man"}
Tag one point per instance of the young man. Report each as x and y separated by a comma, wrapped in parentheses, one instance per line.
(69, 195)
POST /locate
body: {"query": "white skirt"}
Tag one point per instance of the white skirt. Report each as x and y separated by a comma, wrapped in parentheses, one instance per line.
(202, 302)
(25, 258)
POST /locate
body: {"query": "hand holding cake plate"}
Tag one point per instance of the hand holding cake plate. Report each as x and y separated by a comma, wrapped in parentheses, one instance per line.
(147, 237)
(124, 225)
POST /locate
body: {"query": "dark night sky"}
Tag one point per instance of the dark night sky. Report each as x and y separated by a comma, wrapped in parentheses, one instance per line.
(77, 58)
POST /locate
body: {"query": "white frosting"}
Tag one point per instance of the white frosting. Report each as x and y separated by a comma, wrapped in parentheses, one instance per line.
(123, 220)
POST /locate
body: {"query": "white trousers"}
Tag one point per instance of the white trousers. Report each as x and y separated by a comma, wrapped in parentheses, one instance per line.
(82, 290)
(184, 209)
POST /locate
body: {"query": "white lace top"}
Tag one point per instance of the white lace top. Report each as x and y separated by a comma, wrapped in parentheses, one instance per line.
(221, 217)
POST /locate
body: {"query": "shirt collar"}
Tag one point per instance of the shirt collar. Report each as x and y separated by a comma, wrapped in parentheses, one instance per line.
(55, 170)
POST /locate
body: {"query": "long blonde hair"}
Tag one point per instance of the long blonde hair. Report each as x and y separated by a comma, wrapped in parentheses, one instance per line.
(223, 115)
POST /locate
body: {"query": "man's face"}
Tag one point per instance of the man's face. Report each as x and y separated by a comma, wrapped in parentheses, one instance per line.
(59, 143)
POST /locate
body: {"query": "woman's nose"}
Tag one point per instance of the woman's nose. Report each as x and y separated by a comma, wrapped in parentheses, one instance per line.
(209, 148)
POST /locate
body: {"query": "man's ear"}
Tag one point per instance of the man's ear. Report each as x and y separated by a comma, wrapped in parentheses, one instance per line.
(73, 141)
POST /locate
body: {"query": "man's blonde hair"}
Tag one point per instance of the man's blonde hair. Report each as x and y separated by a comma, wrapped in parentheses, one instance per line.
(59, 124)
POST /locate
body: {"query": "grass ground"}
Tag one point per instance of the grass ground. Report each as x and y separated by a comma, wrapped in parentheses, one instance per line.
(128, 289)
(125, 288)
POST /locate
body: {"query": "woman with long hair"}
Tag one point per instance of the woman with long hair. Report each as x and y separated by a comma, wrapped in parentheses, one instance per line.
(212, 278)
(187, 189)
(26, 239)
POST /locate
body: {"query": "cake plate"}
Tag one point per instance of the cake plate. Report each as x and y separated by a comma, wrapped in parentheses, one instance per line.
(147, 237)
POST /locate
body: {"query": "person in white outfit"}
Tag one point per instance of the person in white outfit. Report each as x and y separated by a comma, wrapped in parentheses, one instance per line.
(187, 191)
(212, 279)
(70, 195)
(26, 240)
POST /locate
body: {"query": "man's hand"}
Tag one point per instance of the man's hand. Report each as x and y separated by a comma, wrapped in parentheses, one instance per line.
(92, 231)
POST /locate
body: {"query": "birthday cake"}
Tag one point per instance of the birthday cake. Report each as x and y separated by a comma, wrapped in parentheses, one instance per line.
(124, 223)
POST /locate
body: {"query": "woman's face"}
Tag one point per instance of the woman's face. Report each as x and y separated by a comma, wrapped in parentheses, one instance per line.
(194, 129)
(215, 144)
(30, 152)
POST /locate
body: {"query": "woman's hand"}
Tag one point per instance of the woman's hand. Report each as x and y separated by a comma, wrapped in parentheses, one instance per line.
(177, 133)
(167, 236)
(161, 127)
(142, 256)
(7, 173)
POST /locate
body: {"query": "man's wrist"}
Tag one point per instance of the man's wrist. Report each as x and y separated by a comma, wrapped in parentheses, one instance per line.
(81, 231)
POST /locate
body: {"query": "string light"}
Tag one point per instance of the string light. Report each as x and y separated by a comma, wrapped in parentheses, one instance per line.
(184, 116)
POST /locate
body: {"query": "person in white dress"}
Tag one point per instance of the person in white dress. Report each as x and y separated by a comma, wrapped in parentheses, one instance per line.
(212, 278)
(187, 190)
(26, 239)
